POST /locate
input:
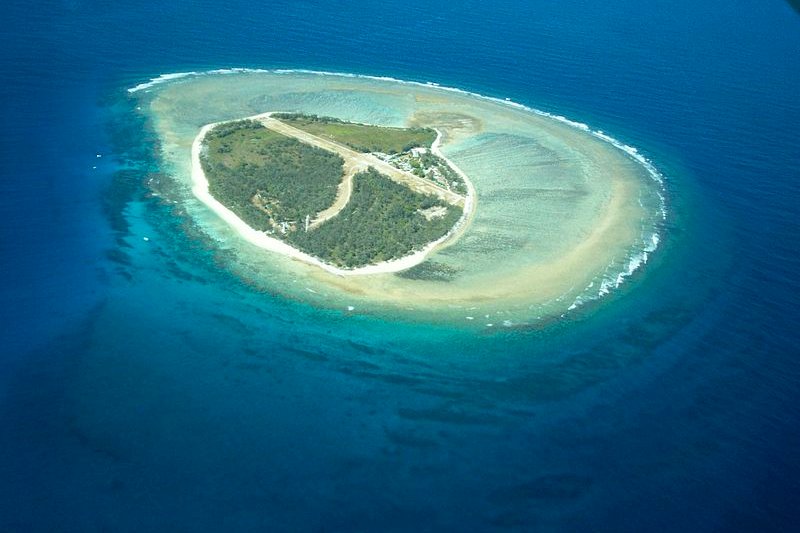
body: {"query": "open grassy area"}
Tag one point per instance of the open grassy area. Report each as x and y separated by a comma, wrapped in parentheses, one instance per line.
(363, 138)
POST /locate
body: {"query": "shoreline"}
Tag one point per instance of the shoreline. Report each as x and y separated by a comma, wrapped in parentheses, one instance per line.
(271, 244)
(597, 249)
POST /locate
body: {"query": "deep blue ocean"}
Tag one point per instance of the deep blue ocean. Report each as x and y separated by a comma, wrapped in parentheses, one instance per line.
(144, 388)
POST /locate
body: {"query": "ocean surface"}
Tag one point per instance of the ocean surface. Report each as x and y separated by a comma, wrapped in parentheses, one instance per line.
(145, 386)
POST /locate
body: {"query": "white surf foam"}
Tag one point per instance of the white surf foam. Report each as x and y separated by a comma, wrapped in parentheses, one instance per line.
(161, 79)
(608, 283)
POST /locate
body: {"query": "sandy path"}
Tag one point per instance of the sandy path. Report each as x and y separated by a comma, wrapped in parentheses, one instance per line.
(343, 193)
(362, 160)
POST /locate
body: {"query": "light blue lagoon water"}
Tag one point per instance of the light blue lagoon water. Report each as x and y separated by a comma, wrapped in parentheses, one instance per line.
(145, 385)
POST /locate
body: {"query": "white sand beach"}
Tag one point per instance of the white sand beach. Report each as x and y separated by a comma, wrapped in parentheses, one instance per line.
(566, 214)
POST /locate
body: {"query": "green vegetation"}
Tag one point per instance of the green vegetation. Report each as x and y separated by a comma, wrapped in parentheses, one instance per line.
(382, 221)
(440, 171)
(361, 137)
(273, 182)
(429, 166)
(270, 181)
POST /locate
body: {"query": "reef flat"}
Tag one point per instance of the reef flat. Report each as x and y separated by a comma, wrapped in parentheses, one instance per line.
(560, 214)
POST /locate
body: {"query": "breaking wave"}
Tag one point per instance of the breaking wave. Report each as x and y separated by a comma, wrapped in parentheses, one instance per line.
(610, 281)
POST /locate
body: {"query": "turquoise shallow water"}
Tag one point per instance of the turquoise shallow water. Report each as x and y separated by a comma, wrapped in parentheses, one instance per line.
(146, 385)
(564, 214)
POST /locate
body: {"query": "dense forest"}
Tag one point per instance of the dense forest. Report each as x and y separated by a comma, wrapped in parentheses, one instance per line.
(382, 221)
(272, 182)
(361, 137)
(267, 178)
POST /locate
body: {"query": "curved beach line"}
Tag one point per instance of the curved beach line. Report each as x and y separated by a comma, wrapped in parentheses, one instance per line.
(635, 261)
(631, 151)
(262, 240)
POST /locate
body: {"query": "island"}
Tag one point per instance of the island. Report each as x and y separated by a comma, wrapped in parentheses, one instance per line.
(383, 197)
(351, 198)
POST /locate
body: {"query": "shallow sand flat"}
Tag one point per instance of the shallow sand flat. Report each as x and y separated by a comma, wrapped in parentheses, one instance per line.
(560, 213)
